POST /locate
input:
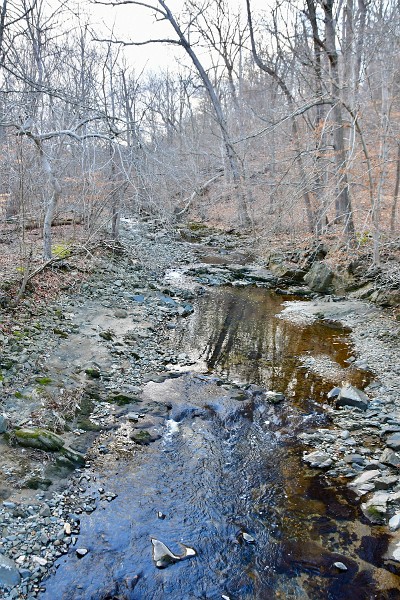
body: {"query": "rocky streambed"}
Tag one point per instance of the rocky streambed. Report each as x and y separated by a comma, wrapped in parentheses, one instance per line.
(105, 386)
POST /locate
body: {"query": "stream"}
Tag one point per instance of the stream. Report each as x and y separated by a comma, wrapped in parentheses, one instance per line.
(226, 476)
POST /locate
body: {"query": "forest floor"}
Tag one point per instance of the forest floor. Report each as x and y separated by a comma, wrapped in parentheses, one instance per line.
(90, 331)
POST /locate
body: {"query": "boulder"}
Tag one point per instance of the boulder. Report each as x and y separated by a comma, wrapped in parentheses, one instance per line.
(362, 484)
(163, 556)
(352, 396)
(320, 277)
(9, 574)
(39, 438)
(42, 439)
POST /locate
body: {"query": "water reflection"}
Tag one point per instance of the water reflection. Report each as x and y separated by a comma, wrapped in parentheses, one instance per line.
(236, 333)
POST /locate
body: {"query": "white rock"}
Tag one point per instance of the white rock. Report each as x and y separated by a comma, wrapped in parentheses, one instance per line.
(394, 522)
(341, 566)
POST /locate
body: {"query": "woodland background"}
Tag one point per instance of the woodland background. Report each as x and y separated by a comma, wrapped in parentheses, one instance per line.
(282, 122)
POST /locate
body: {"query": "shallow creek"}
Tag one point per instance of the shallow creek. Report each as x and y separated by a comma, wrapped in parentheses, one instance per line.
(228, 463)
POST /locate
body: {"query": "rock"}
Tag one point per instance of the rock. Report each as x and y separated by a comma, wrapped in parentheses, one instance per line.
(334, 393)
(364, 477)
(3, 424)
(274, 397)
(81, 552)
(394, 522)
(352, 396)
(9, 574)
(248, 538)
(143, 437)
(318, 459)
(121, 313)
(341, 566)
(39, 438)
(385, 483)
(394, 441)
(376, 507)
(163, 556)
(93, 373)
(388, 457)
(73, 456)
(320, 277)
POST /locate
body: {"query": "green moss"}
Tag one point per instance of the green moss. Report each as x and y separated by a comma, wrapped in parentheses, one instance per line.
(43, 380)
(93, 373)
(141, 437)
(19, 395)
(106, 335)
(195, 226)
(122, 399)
(60, 332)
(374, 513)
(61, 250)
(38, 483)
(86, 424)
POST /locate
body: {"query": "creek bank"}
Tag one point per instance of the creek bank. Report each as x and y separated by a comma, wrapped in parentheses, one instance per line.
(362, 447)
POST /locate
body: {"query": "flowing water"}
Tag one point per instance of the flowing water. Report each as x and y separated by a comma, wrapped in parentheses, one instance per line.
(229, 464)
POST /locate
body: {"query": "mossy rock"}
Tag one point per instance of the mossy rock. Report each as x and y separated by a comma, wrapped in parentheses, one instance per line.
(87, 425)
(122, 399)
(60, 333)
(38, 483)
(93, 373)
(76, 458)
(106, 335)
(142, 437)
(39, 438)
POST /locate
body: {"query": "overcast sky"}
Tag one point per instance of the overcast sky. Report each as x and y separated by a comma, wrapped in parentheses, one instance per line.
(138, 24)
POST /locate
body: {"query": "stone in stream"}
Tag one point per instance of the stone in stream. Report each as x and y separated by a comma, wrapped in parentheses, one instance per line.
(163, 556)
(318, 459)
(248, 538)
(81, 552)
(352, 396)
(339, 565)
(9, 574)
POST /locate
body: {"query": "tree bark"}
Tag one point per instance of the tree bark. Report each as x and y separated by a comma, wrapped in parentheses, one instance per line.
(344, 213)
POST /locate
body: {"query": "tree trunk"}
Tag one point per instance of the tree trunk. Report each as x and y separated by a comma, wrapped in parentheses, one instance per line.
(53, 201)
(343, 206)
(396, 192)
(232, 157)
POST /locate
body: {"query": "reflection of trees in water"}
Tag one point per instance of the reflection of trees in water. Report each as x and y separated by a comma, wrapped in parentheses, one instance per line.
(237, 332)
(223, 337)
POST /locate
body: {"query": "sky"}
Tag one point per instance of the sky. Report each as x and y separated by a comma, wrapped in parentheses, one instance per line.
(138, 24)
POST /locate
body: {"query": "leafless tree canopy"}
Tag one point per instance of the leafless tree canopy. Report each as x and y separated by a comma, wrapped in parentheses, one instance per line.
(284, 120)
